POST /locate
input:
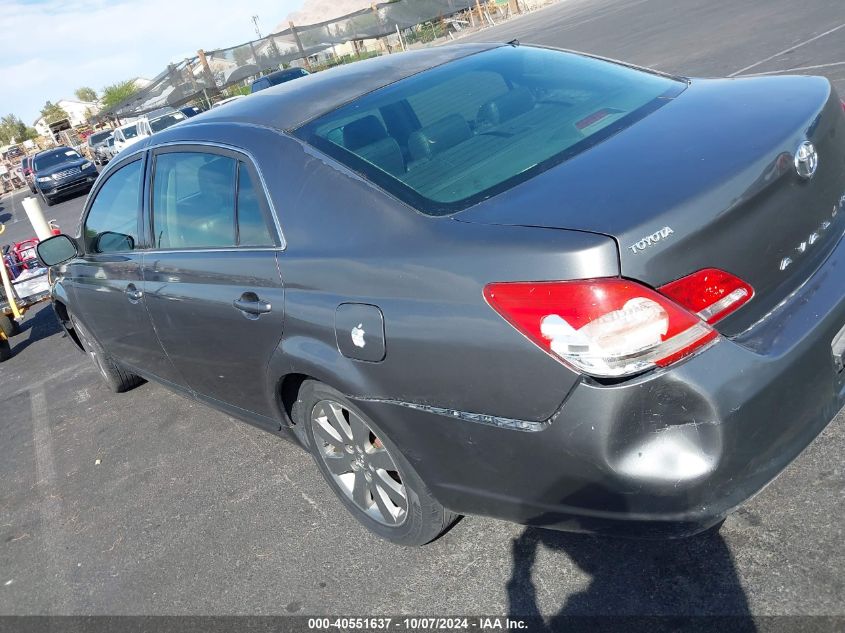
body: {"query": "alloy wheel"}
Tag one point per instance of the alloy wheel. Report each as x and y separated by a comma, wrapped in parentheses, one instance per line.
(359, 463)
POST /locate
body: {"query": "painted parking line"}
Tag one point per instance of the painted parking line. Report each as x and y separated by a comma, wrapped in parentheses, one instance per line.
(50, 502)
(40, 384)
(787, 50)
(796, 69)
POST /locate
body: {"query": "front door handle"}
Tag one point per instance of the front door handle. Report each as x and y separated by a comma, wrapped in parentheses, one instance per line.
(133, 294)
(251, 306)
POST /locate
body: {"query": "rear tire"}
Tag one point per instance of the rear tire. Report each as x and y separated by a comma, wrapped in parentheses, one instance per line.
(368, 473)
(116, 378)
(9, 326)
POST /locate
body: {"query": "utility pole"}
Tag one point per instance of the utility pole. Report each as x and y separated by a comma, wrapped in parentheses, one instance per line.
(299, 45)
(255, 22)
(206, 69)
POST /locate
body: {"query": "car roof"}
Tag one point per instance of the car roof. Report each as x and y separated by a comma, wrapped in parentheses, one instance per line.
(290, 104)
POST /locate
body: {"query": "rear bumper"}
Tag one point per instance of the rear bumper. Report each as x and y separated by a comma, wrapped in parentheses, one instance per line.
(667, 454)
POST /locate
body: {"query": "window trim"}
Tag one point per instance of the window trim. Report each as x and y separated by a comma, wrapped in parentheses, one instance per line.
(223, 149)
(95, 191)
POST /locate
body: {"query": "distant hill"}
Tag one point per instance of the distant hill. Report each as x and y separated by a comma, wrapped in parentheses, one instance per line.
(313, 11)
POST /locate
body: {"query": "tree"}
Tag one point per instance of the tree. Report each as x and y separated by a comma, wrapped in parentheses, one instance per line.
(12, 128)
(86, 94)
(53, 112)
(117, 93)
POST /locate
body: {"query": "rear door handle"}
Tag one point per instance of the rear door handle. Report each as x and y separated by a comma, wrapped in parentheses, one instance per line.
(133, 294)
(251, 305)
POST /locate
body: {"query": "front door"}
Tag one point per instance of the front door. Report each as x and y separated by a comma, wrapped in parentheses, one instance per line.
(106, 280)
(211, 280)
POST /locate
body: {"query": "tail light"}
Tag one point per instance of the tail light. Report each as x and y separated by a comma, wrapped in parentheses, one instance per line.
(603, 327)
(710, 293)
(614, 327)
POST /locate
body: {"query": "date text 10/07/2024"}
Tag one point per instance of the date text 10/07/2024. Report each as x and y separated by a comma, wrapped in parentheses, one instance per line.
(417, 623)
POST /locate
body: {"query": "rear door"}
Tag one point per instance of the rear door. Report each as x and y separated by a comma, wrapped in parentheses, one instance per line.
(212, 281)
(106, 279)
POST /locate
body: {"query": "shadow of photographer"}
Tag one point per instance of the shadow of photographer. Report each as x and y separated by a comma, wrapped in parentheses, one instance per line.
(650, 585)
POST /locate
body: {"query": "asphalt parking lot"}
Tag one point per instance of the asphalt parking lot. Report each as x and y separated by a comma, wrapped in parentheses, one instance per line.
(147, 503)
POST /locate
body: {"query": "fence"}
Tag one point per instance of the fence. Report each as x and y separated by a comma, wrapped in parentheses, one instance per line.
(213, 71)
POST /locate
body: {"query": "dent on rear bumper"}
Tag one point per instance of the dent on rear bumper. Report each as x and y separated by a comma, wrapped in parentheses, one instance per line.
(682, 446)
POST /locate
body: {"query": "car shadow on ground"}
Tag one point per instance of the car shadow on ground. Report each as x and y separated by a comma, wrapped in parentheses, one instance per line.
(35, 327)
(634, 585)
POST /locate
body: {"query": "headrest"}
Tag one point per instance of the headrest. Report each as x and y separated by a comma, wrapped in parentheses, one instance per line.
(502, 109)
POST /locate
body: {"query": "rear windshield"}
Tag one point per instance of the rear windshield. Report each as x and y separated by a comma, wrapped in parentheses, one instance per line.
(130, 132)
(454, 135)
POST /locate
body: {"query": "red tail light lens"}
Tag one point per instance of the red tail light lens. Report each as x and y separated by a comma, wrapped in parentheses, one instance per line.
(602, 327)
(710, 293)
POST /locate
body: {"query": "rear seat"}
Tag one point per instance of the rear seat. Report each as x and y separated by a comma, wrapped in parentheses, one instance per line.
(368, 138)
(438, 137)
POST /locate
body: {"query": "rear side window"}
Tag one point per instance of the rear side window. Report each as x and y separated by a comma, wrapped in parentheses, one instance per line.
(194, 200)
(252, 227)
(456, 134)
(112, 222)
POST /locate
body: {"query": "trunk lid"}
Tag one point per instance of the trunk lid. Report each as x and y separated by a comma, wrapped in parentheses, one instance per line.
(707, 181)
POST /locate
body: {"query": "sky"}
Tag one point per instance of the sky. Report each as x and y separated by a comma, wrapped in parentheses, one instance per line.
(52, 47)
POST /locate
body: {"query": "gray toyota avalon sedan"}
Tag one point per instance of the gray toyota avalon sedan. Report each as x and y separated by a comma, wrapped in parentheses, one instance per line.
(488, 279)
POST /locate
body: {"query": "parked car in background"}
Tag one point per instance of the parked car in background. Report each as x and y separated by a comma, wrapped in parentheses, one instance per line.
(148, 126)
(223, 102)
(276, 78)
(190, 111)
(60, 172)
(109, 150)
(126, 135)
(95, 142)
(581, 295)
(102, 153)
(26, 170)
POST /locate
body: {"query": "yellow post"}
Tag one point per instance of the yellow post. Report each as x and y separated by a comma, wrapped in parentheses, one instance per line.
(7, 284)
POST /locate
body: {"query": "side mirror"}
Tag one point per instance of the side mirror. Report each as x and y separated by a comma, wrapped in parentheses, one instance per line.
(111, 242)
(57, 250)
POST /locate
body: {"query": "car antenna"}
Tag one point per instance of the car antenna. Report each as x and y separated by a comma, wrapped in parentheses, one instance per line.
(514, 42)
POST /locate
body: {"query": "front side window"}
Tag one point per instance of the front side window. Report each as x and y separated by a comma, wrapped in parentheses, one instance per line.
(112, 222)
(194, 200)
(451, 136)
